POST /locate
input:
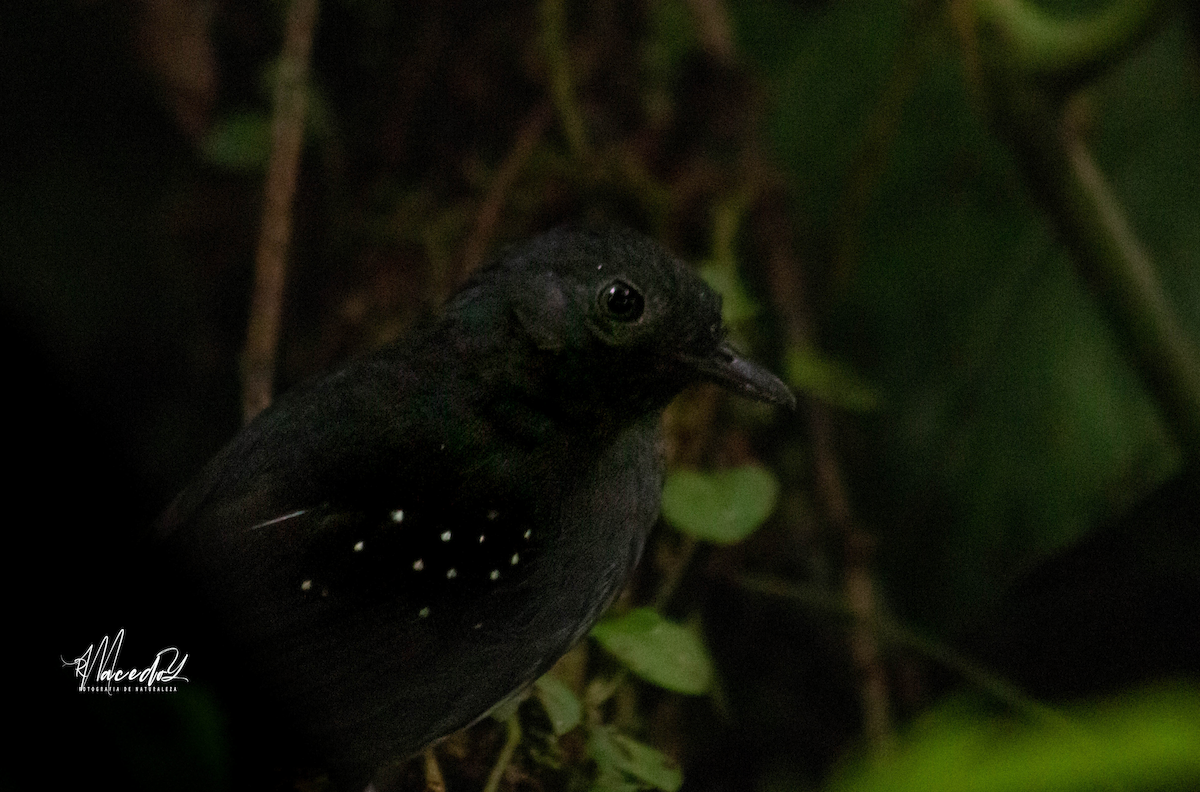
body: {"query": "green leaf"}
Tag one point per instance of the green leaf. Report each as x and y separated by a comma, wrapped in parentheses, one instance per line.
(658, 650)
(831, 382)
(1145, 741)
(619, 756)
(737, 306)
(722, 507)
(560, 702)
(507, 709)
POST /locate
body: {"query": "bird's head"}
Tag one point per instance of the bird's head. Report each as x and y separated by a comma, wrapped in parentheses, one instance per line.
(609, 319)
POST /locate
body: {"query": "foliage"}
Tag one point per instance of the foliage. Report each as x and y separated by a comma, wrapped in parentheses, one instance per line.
(881, 192)
(722, 507)
(1144, 740)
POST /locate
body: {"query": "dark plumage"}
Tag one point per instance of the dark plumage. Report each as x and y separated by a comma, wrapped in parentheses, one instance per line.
(411, 539)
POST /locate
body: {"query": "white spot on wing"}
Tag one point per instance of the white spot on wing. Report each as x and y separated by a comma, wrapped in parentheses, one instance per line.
(279, 519)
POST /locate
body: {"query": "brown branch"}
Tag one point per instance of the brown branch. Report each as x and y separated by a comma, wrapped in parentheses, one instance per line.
(287, 135)
(713, 29)
(493, 203)
(858, 583)
(1109, 257)
(434, 780)
(788, 289)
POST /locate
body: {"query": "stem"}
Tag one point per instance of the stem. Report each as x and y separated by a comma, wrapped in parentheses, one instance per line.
(434, 780)
(488, 216)
(512, 740)
(1126, 281)
(1107, 253)
(858, 587)
(562, 89)
(270, 267)
(897, 635)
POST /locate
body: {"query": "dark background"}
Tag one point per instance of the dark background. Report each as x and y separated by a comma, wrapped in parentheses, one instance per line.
(1012, 487)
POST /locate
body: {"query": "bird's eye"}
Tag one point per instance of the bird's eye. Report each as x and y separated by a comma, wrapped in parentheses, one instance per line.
(622, 302)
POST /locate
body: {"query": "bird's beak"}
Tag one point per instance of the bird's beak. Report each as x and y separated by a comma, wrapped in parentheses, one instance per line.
(725, 367)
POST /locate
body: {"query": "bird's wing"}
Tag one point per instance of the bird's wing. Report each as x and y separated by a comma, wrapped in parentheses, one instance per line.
(349, 554)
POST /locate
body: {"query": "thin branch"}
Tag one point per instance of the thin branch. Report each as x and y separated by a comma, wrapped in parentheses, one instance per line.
(858, 585)
(1107, 253)
(713, 29)
(788, 288)
(287, 136)
(898, 635)
(434, 780)
(512, 740)
(558, 62)
(488, 216)
(1125, 279)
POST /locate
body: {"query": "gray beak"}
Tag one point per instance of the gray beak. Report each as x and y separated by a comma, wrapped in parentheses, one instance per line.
(725, 367)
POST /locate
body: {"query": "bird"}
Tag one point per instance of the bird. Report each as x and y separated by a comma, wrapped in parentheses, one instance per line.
(406, 542)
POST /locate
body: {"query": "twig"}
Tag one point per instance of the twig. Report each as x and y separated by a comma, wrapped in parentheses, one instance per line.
(558, 63)
(788, 290)
(1108, 256)
(712, 28)
(287, 135)
(1113, 259)
(898, 635)
(493, 203)
(858, 585)
(512, 740)
(434, 780)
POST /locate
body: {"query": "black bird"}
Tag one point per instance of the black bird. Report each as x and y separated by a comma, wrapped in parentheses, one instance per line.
(411, 539)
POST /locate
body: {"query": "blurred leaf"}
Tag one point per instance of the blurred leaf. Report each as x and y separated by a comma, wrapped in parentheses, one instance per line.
(665, 51)
(1146, 741)
(239, 142)
(560, 702)
(658, 650)
(722, 507)
(1014, 421)
(619, 757)
(506, 710)
(737, 307)
(829, 381)
(826, 65)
